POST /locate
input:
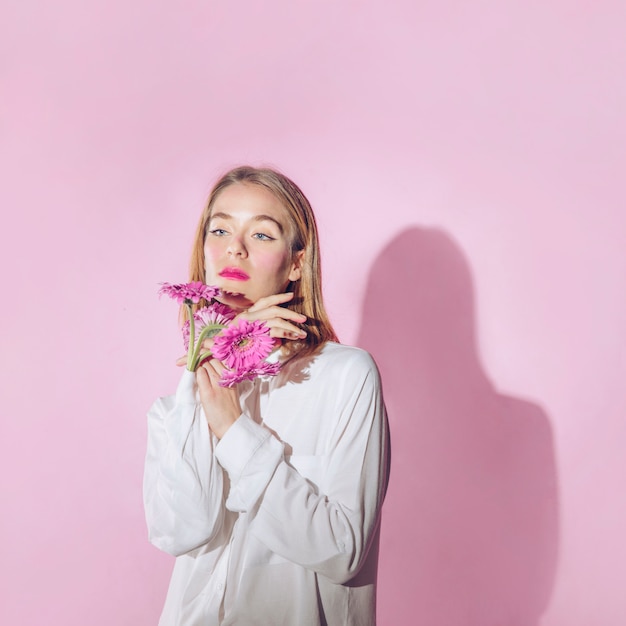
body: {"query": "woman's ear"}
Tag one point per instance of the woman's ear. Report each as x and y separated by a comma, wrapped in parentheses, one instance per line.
(296, 265)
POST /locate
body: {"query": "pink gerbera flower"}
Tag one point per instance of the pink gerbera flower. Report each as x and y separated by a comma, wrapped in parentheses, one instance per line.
(189, 293)
(216, 314)
(232, 377)
(242, 346)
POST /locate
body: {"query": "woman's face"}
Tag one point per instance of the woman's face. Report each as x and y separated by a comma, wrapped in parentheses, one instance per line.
(247, 247)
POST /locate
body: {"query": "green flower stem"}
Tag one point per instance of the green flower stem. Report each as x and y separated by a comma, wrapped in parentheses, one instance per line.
(203, 356)
(195, 357)
(192, 332)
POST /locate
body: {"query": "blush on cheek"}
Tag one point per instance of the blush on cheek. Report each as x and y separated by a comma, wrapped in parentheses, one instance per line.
(273, 262)
(210, 253)
(211, 261)
(211, 258)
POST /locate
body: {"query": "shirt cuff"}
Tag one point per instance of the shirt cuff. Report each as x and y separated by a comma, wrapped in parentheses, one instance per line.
(186, 393)
(250, 455)
(183, 414)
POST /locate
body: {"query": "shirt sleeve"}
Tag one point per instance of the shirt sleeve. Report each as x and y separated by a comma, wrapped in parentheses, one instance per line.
(328, 527)
(183, 483)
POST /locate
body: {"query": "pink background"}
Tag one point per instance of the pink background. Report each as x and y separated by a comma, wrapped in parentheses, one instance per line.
(466, 161)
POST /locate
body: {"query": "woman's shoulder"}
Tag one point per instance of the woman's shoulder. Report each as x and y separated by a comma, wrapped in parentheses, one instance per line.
(334, 350)
(344, 375)
(337, 358)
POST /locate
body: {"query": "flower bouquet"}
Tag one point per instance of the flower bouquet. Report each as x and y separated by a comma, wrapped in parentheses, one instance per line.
(242, 346)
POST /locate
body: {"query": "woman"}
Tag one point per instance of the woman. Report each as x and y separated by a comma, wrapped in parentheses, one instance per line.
(273, 509)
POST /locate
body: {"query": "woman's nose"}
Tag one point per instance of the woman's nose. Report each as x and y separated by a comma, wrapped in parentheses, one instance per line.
(236, 247)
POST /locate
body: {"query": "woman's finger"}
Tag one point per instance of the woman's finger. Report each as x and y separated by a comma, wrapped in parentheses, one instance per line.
(216, 366)
(282, 329)
(213, 369)
(267, 301)
(208, 377)
(202, 378)
(273, 311)
(280, 325)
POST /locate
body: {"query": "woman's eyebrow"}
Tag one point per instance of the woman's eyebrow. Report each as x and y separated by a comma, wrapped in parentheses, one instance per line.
(221, 215)
(269, 218)
(257, 218)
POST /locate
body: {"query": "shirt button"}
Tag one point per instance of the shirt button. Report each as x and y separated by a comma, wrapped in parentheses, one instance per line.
(220, 586)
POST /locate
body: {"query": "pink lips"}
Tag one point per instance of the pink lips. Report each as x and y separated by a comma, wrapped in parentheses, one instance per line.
(234, 273)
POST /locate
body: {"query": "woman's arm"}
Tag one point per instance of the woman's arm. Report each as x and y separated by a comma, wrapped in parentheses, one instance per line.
(329, 527)
(183, 483)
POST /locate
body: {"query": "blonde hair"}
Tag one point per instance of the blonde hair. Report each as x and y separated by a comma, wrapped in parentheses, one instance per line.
(307, 298)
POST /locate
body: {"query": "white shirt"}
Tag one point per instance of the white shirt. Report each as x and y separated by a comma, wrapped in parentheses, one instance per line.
(277, 522)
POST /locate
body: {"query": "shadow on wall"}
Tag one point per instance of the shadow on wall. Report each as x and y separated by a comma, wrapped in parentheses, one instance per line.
(470, 524)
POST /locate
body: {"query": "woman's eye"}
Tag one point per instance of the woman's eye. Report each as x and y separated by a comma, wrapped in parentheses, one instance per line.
(217, 231)
(263, 237)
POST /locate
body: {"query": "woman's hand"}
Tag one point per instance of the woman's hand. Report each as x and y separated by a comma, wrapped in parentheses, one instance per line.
(220, 404)
(281, 321)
